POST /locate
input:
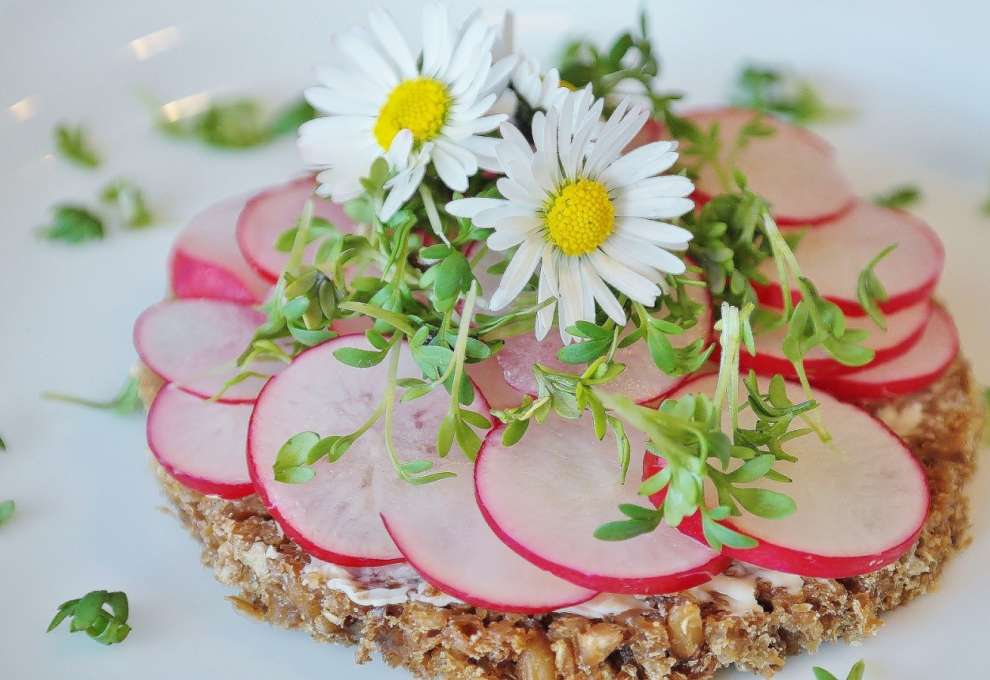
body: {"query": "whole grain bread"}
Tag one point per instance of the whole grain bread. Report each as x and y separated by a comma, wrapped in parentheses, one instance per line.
(677, 637)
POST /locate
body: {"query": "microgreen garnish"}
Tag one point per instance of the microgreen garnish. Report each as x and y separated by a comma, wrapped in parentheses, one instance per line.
(90, 614)
(3, 444)
(128, 200)
(6, 511)
(985, 207)
(242, 123)
(72, 144)
(870, 291)
(855, 673)
(629, 59)
(73, 224)
(900, 197)
(770, 91)
(127, 401)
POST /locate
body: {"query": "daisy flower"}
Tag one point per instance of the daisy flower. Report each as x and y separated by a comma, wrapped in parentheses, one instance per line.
(587, 217)
(412, 109)
(541, 91)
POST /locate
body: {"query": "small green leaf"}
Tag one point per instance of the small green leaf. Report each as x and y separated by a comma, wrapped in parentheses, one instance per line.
(467, 439)
(514, 431)
(129, 201)
(127, 400)
(753, 469)
(857, 670)
(822, 674)
(358, 358)
(900, 197)
(624, 530)
(288, 120)
(73, 224)
(445, 434)
(764, 503)
(71, 144)
(6, 510)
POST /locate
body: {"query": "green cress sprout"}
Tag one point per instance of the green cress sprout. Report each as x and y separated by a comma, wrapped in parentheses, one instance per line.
(73, 224)
(770, 91)
(241, 123)
(71, 143)
(900, 197)
(90, 613)
(126, 401)
(6, 511)
(855, 673)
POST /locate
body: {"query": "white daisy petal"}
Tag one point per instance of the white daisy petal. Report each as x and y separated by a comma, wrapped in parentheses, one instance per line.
(518, 272)
(606, 298)
(661, 207)
(517, 193)
(512, 231)
(626, 249)
(667, 185)
(355, 45)
(470, 207)
(629, 283)
(570, 298)
(450, 170)
(492, 216)
(547, 288)
(645, 161)
(437, 39)
(325, 100)
(389, 37)
(660, 233)
(398, 152)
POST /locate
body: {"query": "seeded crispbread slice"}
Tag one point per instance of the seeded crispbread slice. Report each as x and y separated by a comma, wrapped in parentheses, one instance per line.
(678, 637)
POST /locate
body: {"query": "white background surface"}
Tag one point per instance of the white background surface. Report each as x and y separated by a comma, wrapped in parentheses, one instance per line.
(88, 509)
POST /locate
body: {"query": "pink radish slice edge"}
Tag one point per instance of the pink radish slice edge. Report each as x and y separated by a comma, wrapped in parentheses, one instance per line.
(335, 515)
(201, 443)
(194, 343)
(546, 497)
(206, 263)
(273, 211)
(904, 330)
(443, 535)
(794, 169)
(641, 381)
(861, 501)
(911, 372)
(834, 257)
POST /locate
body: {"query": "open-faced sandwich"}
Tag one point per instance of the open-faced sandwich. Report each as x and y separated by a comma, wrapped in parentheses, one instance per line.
(532, 381)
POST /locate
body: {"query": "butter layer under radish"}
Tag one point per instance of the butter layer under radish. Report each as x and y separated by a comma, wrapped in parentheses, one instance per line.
(861, 499)
(834, 256)
(545, 498)
(201, 443)
(205, 261)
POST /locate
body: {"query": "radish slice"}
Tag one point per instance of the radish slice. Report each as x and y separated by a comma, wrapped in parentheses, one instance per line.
(271, 212)
(904, 329)
(490, 381)
(441, 532)
(642, 381)
(862, 499)
(833, 258)
(206, 263)
(546, 497)
(201, 443)
(194, 344)
(914, 370)
(794, 169)
(335, 516)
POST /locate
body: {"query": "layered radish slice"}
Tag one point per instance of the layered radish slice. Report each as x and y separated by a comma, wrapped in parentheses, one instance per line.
(440, 530)
(273, 211)
(546, 498)
(641, 380)
(914, 370)
(206, 263)
(338, 515)
(195, 343)
(834, 257)
(904, 329)
(793, 169)
(861, 499)
(201, 443)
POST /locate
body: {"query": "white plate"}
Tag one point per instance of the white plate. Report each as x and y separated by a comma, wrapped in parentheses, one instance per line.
(88, 509)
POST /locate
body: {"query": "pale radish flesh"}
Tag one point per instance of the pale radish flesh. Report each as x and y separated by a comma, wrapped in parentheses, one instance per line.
(335, 515)
(793, 169)
(268, 214)
(914, 370)
(206, 263)
(201, 443)
(904, 329)
(641, 380)
(546, 496)
(490, 381)
(195, 343)
(834, 257)
(443, 535)
(862, 499)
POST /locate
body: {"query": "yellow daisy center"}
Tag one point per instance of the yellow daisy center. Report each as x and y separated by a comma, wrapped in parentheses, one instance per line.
(419, 105)
(580, 217)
